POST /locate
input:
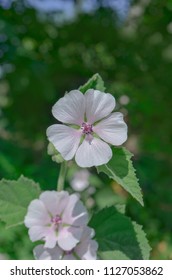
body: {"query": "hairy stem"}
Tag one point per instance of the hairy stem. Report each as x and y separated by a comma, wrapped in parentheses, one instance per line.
(62, 175)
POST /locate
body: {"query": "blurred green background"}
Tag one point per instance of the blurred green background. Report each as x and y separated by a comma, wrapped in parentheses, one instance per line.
(42, 55)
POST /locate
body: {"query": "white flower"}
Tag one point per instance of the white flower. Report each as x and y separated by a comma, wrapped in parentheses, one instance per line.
(86, 249)
(56, 218)
(80, 180)
(92, 114)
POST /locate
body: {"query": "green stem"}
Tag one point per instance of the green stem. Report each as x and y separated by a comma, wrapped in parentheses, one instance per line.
(76, 256)
(62, 175)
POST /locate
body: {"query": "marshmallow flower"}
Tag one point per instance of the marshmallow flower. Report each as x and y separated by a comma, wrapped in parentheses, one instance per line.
(89, 125)
(86, 249)
(56, 218)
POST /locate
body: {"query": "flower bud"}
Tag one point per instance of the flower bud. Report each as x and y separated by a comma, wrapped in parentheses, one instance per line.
(55, 155)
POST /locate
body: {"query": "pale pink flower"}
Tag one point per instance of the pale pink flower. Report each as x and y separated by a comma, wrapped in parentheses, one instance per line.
(56, 218)
(91, 124)
(86, 249)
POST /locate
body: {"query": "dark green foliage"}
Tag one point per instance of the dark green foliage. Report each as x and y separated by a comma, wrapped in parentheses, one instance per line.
(118, 237)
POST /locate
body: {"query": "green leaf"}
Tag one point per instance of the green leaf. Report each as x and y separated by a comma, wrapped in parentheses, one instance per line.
(15, 197)
(121, 170)
(106, 197)
(118, 237)
(94, 82)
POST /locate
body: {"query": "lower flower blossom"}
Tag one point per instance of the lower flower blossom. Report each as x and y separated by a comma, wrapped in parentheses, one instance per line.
(86, 249)
(57, 218)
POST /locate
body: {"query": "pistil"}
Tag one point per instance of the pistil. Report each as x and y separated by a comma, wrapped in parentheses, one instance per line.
(56, 220)
(87, 128)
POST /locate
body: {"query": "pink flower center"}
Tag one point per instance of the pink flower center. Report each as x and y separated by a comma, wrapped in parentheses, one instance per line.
(56, 220)
(87, 128)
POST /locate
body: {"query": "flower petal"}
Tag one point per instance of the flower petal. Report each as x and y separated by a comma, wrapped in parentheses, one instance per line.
(55, 202)
(113, 129)
(37, 214)
(98, 105)
(42, 253)
(37, 233)
(68, 237)
(75, 212)
(87, 248)
(70, 108)
(65, 139)
(88, 233)
(69, 257)
(50, 237)
(93, 153)
(47, 234)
